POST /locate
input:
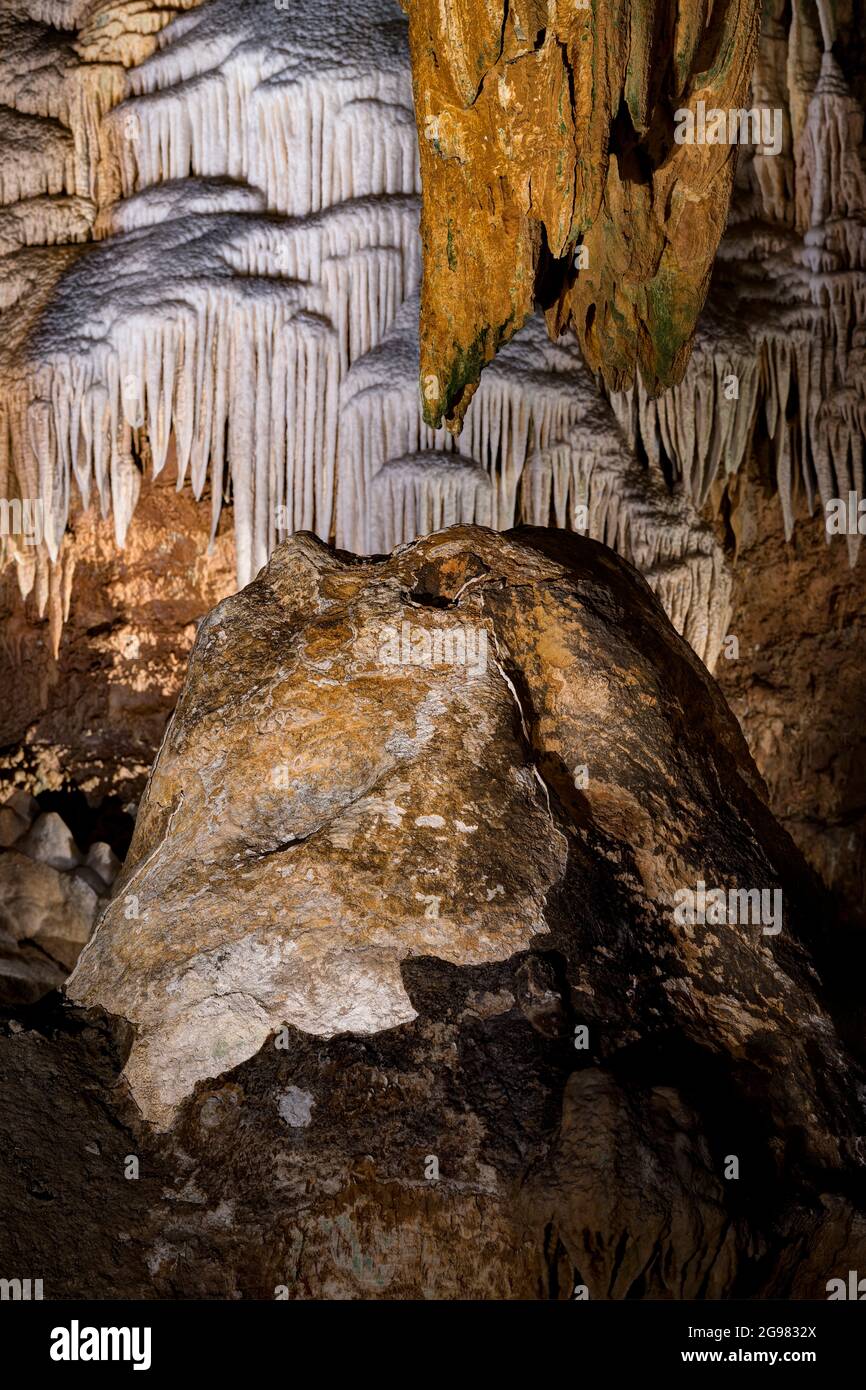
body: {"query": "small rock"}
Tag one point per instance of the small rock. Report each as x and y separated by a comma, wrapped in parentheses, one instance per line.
(12, 826)
(32, 896)
(102, 859)
(24, 805)
(295, 1107)
(538, 997)
(53, 910)
(82, 905)
(93, 880)
(49, 840)
(27, 975)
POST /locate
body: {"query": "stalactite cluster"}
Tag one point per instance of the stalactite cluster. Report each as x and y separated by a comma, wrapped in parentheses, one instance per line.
(210, 256)
(252, 185)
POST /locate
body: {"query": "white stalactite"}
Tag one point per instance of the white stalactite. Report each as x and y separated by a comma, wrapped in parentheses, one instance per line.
(312, 105)
(526, 398)
(549, 450)
(251, 310)
(425, 492)
(786, 335)
(221, 312)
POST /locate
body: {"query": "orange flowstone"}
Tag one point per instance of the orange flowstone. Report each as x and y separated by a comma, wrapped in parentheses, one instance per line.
(551, 176)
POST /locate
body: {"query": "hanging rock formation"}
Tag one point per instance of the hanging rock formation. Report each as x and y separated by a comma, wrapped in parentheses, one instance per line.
(396, 893)
(249, 176)
(781, 348)
(546, 127)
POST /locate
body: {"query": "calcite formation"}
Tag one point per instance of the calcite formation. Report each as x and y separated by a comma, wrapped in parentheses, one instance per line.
(541, 446)
(209, 224)
(551, 173)
(403, 888)
(781, 350)
(244, 225)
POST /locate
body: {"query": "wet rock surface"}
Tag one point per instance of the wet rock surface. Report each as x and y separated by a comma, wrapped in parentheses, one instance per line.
(797, 684)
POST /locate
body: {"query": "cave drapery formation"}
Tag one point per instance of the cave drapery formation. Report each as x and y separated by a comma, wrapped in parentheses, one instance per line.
(209, 239)
(608, 178)
(554, 124)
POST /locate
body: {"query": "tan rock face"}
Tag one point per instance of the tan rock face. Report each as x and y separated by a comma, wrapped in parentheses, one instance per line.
(318, 876)
(547, 129)
(491, 753)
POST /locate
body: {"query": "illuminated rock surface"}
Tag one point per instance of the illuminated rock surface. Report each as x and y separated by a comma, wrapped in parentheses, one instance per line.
(546, 127)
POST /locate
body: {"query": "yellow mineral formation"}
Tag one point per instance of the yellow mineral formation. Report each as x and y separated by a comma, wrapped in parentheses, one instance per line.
(552, 175)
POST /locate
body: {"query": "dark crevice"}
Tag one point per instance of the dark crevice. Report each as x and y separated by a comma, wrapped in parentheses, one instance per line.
(632, 157)
(552, 274)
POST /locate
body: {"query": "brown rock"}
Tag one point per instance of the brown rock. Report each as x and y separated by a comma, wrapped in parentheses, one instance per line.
(24, 805)
(12, 826)
(546, 128)
(16, 816)
(445, 929)
(41, 907)
(93, 712)
(796, 682)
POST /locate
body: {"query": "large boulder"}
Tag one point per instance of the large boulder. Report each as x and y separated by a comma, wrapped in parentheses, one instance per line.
(458, 945)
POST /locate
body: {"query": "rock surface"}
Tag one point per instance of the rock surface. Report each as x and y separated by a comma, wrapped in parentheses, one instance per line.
(796, 681)
(93, 711)
(50, 841)
(104, 862)
(49, 901)
(548, 129)
(371, 907)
